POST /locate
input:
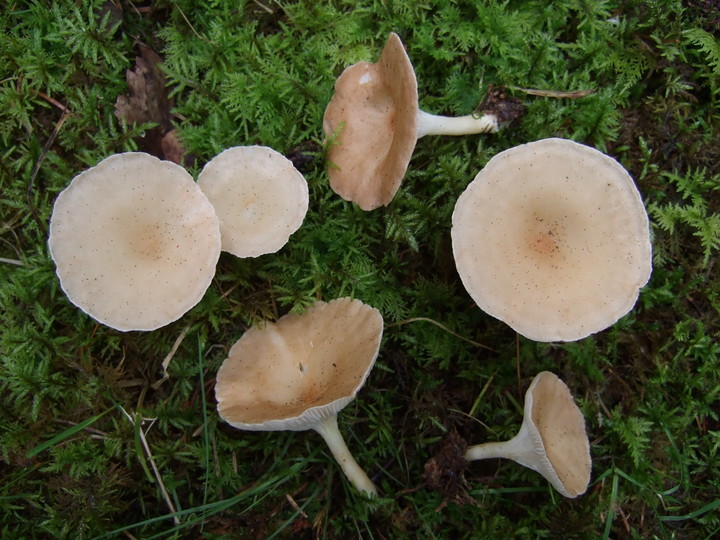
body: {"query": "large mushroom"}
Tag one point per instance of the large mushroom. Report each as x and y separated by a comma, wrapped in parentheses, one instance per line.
(259, 196)
(374, 121)
(552, 237)
(298, 373)
(135, 241)
(552, 439)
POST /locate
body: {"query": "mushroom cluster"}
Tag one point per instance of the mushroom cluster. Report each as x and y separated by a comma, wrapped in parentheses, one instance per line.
(550, 237)
(136, 240)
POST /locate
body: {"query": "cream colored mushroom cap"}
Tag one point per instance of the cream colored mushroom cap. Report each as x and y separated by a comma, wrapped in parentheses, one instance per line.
(374, 109)
(552, 237)
(560, 426)
(135, 241)
(259, 196)
(293, 373)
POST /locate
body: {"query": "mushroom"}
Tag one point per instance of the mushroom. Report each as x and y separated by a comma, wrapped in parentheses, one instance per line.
(135, 241)
(298, 373)
(551, 440)
(552, 237)
(259, 196)
(374, 121)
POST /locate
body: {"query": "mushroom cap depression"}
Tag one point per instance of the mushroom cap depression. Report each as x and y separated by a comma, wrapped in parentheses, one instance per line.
(374, 112)
(135, 241)
(552, 237)
(290, 374)
(560, 426)
(259, 196)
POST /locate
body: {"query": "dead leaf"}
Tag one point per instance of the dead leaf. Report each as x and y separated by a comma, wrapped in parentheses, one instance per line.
(444, 472)
(172, 148)
(148, 101)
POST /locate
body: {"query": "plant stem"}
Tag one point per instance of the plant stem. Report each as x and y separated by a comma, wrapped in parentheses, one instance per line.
(431, 124)
(328, 428)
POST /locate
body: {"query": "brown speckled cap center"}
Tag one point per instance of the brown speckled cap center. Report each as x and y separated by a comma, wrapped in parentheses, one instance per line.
(552, 237)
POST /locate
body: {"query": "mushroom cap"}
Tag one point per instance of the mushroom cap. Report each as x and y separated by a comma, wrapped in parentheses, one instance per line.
(374, 110)
(552, 237)
(259, 196)
(557, 427)
(293, 373)
(135, 241)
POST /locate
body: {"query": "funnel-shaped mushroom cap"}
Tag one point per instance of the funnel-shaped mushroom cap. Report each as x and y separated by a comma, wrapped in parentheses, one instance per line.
(292, 374)
(259, 196)
(558, 428)
(552, 439)
(135, 241)
(374, 109)
(552, 237)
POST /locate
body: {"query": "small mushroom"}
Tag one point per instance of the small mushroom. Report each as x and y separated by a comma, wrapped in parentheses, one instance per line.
(551, 440)
(298, 373)
(135, 241)
(375, 118)
(259, 196)
(552, 237)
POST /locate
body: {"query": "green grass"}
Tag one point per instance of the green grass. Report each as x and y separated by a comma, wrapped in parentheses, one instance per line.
(91, 447)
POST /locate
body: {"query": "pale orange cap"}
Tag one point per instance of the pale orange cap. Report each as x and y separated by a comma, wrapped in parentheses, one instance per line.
(259, 196)
(373, 112)
(552, 237)
(293, 373)
(135, 241)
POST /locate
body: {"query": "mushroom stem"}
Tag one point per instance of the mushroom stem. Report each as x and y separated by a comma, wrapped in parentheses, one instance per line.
(432, 124)
(520, 449)
(328, 428)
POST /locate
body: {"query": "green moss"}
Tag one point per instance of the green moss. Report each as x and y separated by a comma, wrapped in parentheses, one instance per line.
(74, 464)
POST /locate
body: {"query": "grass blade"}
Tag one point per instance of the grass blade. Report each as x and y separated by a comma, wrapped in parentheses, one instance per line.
(63, 435)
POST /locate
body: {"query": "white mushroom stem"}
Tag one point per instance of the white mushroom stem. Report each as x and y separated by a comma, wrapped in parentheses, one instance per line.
(328, 428)
(523, 448)
(432, 124)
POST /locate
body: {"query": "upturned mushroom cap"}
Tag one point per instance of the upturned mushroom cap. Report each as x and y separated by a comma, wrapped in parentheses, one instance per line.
(135, 241)
(293, 373)
(552, 237)
(259, 196)
(552, 439)
(374, 113)
(558, 428)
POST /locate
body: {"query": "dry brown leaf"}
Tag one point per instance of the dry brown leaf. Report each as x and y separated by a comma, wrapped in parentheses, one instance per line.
(148, 102)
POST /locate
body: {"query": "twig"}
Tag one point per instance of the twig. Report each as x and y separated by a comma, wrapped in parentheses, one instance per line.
(624, 519)
(439, 325)
(475, 404)
(89, 429)
(270, 11)
(52, 101)
(122, 360)
(554, 93)
(206, 40)
(295, 505)
(471, 417)
(66, 113)
(11, 261)
(169, 357)
(133, 420)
